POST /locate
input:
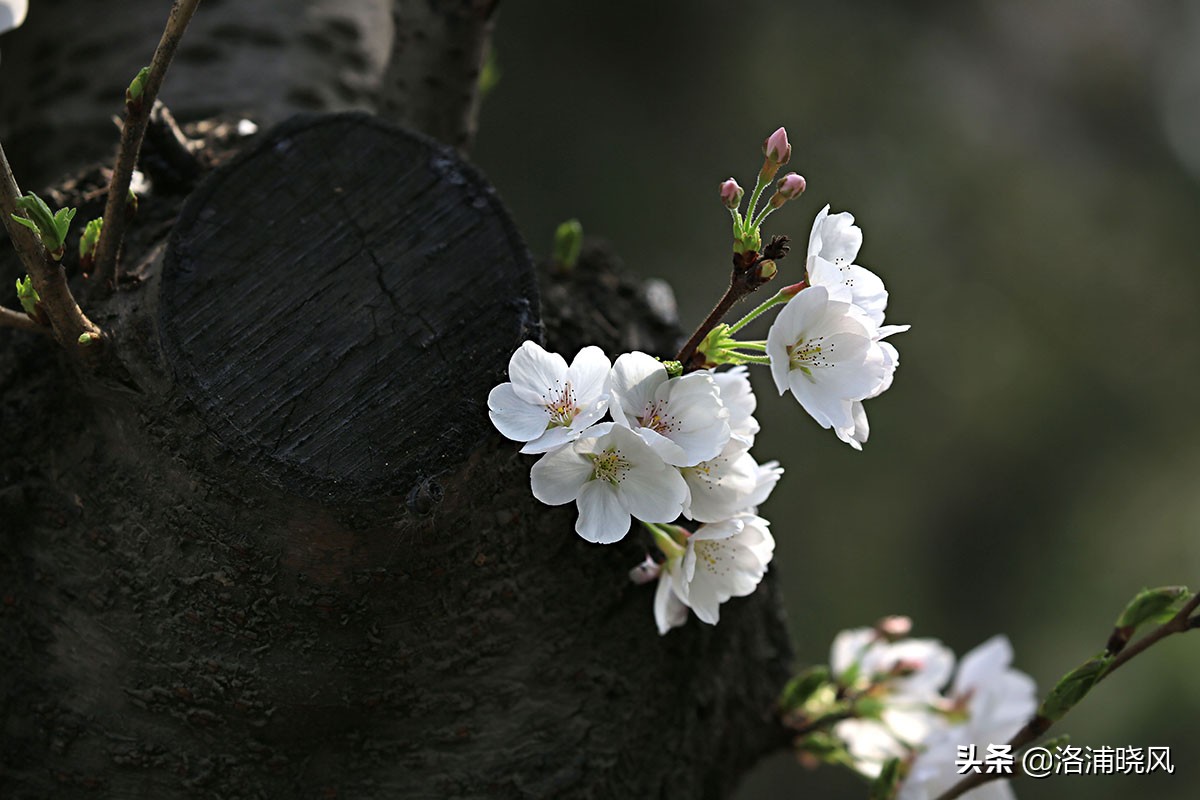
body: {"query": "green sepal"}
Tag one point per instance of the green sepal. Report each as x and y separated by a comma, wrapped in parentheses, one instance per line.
(28, 296)
(568, 241)
(887, 783)
(1073, 687)
(137, 87)
(803, 686)
(1153, 605)
(826, 747)
(869, 707)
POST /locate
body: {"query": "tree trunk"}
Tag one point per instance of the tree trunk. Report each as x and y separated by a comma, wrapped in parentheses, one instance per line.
(276, 550)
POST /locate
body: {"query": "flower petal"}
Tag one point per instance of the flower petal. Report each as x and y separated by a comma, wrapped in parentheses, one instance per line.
(535, 370)
(515, 418)
(669, 610)
(635, 377)
(590, 375)
(559, 477)
(602, 518)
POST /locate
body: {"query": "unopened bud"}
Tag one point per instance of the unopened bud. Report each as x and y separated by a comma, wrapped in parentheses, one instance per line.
(893, 628)
(790, 186)
(88, 243)
(731, 193)
(137, 87)
(568, 242)
(776, 148)
(767, 269)
(87, 339)
(645, 572)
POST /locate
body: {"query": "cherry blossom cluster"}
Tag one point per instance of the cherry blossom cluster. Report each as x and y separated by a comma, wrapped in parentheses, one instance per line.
(904, 705)
(675, 447)
(675, 451)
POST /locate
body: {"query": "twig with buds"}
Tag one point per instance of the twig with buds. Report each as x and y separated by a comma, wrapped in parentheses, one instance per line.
(139, 101)
(1078, 682)
(751, 270)
(71, 326)
(753, 264)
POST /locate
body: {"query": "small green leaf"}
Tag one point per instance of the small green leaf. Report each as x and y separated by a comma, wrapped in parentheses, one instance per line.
(28, 296)
(51, 227)
(568, 241)
(887, 783)
(62, 222)
(28, 223)
(803, 686)
(1153, 605)
(1073, 687)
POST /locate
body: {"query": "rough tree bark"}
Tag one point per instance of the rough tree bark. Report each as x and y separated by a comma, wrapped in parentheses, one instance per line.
(275, 550)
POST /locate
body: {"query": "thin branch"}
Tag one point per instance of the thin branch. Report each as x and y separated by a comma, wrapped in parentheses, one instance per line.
(21, 321)
(137, 114)
(1038, 726)
(431, 82)
(747, 276)
(66, 318)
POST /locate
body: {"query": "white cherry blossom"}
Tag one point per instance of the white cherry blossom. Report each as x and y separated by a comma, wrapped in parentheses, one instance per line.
(683, 418)
(826, 353)
(547, 404)
(996, 700)
(907, 677)
(12, 14)
(611, 474)
(856, 434)
(720, 560)
(720, 487)
(738, 396)
(833, 246)
(765, 477)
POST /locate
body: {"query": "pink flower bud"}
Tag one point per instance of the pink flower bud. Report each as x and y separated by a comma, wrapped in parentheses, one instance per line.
(790, 186)
(645, 572)
(893, 628)
(776, 147)
(731, 193)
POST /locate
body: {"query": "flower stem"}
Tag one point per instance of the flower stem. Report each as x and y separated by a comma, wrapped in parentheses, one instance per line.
(664, 540)
(762, 217)
(752, 345)
(758, 190)
(1036, 727)
(742, 358)
(774, 300)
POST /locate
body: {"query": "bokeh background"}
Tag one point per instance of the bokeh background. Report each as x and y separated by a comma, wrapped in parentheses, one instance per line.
(1026, 177)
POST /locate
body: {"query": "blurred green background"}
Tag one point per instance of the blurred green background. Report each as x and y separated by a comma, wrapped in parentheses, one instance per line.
(1025, 174)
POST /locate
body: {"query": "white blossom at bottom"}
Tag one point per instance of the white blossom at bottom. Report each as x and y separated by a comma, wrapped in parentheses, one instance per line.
(721, 560)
